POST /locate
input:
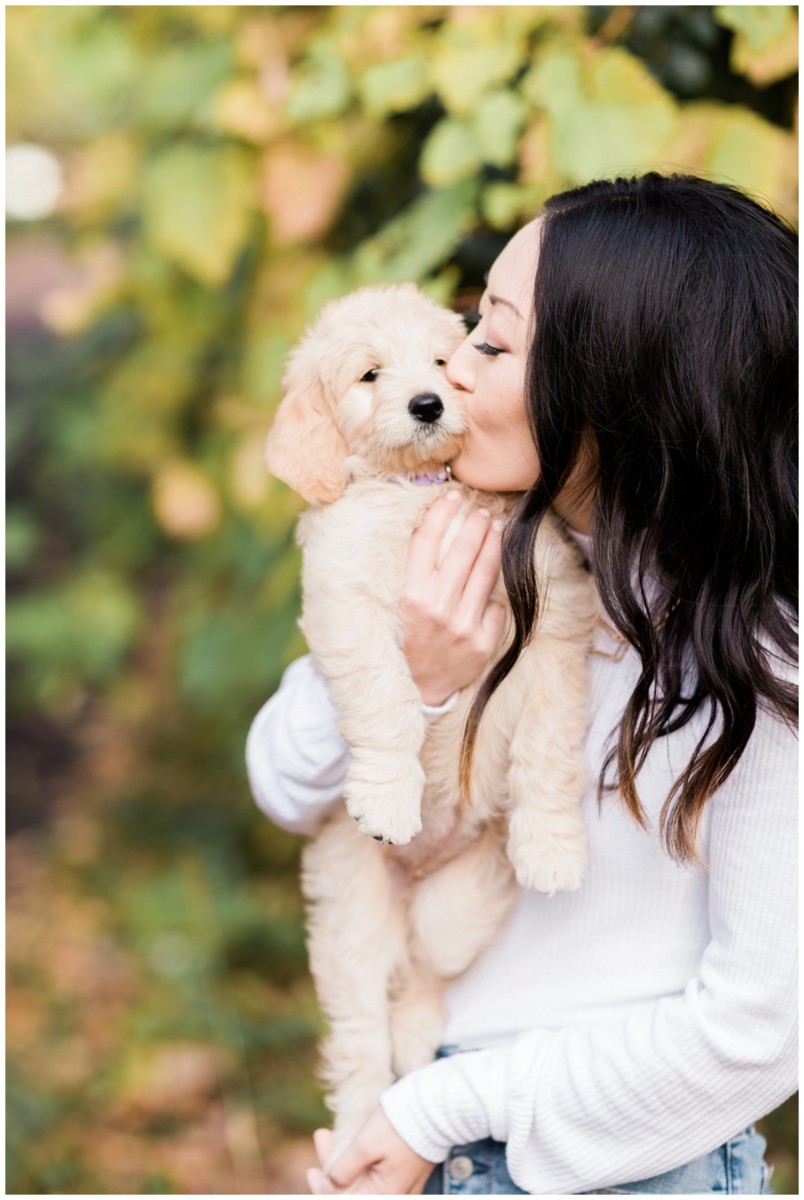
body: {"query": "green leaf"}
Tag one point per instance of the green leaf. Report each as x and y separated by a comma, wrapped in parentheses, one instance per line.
(451, 152)
(554, 82)
(759, 25)
(749, 152)
(217, 654)
(765, 46)
(497, 126)
(506, 204)
(323, 87)
(85, 626)
(197, 205)
(263, 364)
(607, 116)
(333, 279)
(419, 240)
(736, 146)
(100, 74)
(22, 538)
(180, 84)
(394, 86)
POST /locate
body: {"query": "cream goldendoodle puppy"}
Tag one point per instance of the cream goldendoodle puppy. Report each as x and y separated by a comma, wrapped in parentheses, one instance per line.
(368, 422)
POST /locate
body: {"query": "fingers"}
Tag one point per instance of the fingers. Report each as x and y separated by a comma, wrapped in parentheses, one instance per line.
(425, 545)
(348, 1165)
(483, 576)
(318, 1183)
(462, 557)
(323, 1140)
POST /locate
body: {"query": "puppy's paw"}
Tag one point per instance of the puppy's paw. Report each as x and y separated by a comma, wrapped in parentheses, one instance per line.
(387, 812)
(548, 862)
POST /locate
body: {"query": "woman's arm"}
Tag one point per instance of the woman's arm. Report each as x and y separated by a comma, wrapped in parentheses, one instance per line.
(295, 756)
(590, 1107)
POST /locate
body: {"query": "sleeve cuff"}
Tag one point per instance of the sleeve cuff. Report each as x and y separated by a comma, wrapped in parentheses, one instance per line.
(432, 711)
(451, 1102)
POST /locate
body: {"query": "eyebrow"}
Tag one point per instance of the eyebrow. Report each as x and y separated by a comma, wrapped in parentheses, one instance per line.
(506, 303)
(500, 300)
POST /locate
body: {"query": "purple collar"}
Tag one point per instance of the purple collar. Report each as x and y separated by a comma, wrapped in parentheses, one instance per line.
(442, 476)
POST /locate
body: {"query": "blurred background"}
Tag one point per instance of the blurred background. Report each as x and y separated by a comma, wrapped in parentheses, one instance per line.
(185, 186)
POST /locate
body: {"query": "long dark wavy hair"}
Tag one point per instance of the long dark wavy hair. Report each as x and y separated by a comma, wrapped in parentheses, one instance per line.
(665, 338)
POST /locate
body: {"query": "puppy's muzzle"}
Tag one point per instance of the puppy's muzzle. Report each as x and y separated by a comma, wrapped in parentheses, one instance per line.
(426, 408)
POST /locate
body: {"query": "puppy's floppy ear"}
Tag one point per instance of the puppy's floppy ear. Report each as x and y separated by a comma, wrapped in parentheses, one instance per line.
(305, 448)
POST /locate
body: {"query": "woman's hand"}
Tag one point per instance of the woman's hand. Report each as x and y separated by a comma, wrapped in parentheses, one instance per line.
(378, 1162)
(451, 629)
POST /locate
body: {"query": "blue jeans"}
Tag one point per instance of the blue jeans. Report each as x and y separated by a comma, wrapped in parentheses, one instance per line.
(738, 1168)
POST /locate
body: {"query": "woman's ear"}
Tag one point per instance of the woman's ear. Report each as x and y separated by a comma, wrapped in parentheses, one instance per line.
(305, 448)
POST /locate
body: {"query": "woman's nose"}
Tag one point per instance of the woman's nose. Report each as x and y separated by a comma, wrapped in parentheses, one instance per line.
(460, 367)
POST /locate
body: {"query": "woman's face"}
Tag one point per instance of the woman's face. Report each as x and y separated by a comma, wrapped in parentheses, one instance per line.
(498, 454)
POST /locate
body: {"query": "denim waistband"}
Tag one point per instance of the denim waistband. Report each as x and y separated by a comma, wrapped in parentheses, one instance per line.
(737, 1167)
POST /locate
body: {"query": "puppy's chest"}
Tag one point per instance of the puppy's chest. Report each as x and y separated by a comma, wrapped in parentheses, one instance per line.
(360, 542)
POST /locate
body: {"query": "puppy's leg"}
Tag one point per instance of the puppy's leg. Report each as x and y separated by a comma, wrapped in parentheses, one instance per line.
(454, 915)
(356, 940)
(547, 776)
(379, 714)
(418, 1017)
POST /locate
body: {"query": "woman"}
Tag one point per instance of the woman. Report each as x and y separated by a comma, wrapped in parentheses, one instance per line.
(634, 367)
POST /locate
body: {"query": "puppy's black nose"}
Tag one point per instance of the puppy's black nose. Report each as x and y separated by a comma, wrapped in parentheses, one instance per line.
(426, 408)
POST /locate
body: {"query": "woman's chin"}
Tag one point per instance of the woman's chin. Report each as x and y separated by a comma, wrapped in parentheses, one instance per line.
(461, 467)
(478, 475)
(511, 471)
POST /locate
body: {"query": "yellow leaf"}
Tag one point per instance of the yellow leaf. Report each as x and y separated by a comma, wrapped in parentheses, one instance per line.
(378, 34)
(69, 310)
(256, 38)
(472, 58)
(536, 166)
(736, 146)
(100, 177)
(302, 191)
(248, 475)
(185, 503)
(617, 77)
(243, 110)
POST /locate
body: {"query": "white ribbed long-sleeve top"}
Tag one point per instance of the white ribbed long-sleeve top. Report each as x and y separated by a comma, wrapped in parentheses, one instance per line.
(624, 1029)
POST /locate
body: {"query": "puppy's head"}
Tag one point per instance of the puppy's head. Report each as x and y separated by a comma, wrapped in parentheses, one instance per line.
(368, 380)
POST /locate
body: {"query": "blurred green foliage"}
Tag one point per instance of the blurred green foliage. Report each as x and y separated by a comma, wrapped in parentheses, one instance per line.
(227, 170)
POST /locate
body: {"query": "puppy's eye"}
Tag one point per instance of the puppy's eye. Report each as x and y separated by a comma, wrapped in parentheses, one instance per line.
(370, 376)
(440, 362)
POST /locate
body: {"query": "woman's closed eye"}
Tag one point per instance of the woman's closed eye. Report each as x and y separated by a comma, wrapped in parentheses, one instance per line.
(473, 318)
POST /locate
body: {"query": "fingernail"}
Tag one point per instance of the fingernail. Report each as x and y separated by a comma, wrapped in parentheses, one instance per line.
(484, 512)
(497, 524)
(454, 496)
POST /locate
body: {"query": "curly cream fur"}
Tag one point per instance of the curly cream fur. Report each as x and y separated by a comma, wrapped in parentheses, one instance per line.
(390, 924)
